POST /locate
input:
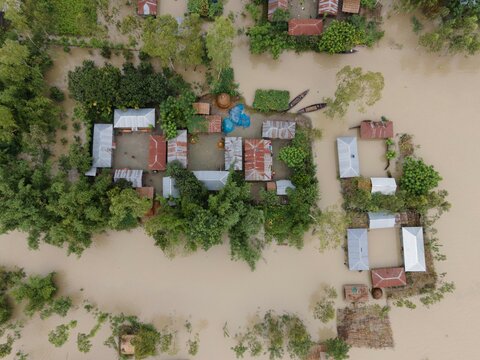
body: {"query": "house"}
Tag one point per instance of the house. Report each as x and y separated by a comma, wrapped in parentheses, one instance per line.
(383, 185)
(213, 180)
(233, 153)
(274, 5)
(134, 176)
(310, 27)
(147, 7)
(134, 119)
(157, 153)
(381, 220)
(356, 293)
(348, 163)
(202, 108)
(413, 249)
(376, 129)
(178, 148)
(169, 189)
(258, 160)
(388, 277)
(102, 147)
(357, 240)
(283, 185)
(278, 129)
(328, 7)
(351, 6)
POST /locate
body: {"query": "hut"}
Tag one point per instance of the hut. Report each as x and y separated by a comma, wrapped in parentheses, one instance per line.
(213, 180)
(233, 153)
(178, 148)
(327, 7)
(134, 119)
(258, 160)
(147, 7)
(383, 185)
(133, 176)
(348, 163)
(356, 293)
(388, 277)
(274, 5)
(283, 185)
(357, 249)
(351, 6)
(126, 345)
(413, 249)
(381, 220)
(102, 146)
(309, 27)
(272, 129)
(202, 108)
(376, 129)
(169, 189)
(157, 153)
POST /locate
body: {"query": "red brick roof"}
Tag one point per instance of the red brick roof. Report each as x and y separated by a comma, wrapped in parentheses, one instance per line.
(258, 160)
(376, 129)
(351, 6)
(202, 108)
(274, 5)
(214, 123)
(147, 7)
(305, 27)
(389, 277)
(157, 151)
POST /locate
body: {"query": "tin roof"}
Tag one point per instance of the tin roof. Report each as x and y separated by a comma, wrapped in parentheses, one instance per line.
(357, 249)
(351, 6)
(383, 185)
(102, 145)
(381, 220)
(133, 118)
(310, 27)
(169, 189)
(202, 108)
(178, 148)
(233, 153)
(273, 129)
(376, 129)
(258, 160)
(389, 277)
(147, 7)
(134, 176)
(283, 185)
(157, 153)
(348, 157)
(329, 7)
(413, 249)
(273, 5)
(213, 180)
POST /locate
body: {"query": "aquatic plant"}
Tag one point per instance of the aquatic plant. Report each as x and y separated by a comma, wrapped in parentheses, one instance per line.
(59, 336)
(271, 100)
(337, 348)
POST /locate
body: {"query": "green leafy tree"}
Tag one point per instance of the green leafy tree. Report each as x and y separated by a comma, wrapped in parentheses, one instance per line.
(219, 43)
(224, 84)
(59, 336)
(191, 46)
(337, 348)
(5, 310)
(160, 38)
(59, 306)
(339, 36)
(179, 111)
(8, 126)
(146, 341)
(37, 291)
(292, 156)
(126, 207)
(266, 38)
(418, 178)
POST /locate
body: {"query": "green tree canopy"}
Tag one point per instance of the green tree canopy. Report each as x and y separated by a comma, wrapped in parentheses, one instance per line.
(160, 37)
(37, 291)
(126, 207)
(219, 42)
(191, 45)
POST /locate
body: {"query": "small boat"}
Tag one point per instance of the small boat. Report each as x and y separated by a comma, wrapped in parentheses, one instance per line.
(297, 99)
(351, 51)
(311, 108)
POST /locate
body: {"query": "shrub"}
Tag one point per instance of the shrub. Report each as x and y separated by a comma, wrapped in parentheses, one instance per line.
(5, 310)
(324, 309)
(367, 31)
(269, 38)
(281, 15)
(37, 291)
(293, 156)
(60, 335)
(339, 36)
(224, 84)
(205, 8)
(271, 100)
(418, 178)
(337, 348)
(146, 341)
(56, 94)
(369, 4)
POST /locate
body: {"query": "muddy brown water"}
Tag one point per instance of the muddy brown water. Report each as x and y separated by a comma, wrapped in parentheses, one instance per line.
(434, 97)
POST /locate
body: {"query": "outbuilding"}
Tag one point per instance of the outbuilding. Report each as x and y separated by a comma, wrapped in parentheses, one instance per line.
(328, 7)
(134, 119)
(306, 27)
(283, 185)
(213, 180)
(413, 249)
(169, 189)
(258, 160)
(376, 129)
(357, 249)
(383, 185)
(157, 153)
(134, 176)
(348, 163)
(381, 220)
(356, 293)
(274, 129)
(388, 277)
(233, 153)
(102, 147)
(178, 148)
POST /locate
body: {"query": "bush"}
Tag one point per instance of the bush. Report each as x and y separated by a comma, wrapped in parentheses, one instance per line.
(37, 291)
(418, 178)
(270, 38)
(5, 310)
(369, 4)
(281, 15)
(293, 156)
(338, 37)
(205, 8)
(56, 94)
(271, 100)
(368, 32)
(106, 52)
(225, 83)
(337, 348)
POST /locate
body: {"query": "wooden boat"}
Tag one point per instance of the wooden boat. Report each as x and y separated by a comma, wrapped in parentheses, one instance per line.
(351, 51)
(297, 99)
(311, 108)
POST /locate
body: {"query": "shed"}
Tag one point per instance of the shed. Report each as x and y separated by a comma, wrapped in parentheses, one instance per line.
(157, 153)
(214, 123)
(233, 153)
(202, 108)
(309, 27)
(376, 129)
(351, 6)
(178, 148)
(348, 163)
(383, 185)
(102, 145)
(273, 5)
(283, 185)
(134, 119)
(126, 345)
(329, 7)
(381, 220)
(258, 160)
(388, 277)
(357, 249)
(273, 129)
(169, 189)
(213, 180)
(356, 293)
(134, 176)
(147, 7)
(413, 249)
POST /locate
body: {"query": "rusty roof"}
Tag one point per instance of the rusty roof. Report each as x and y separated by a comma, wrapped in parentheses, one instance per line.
(376, 129)
(389, 277)
(157, 153)
(202, 108)
(146, 192)
(273, 5)
(147, 7)
(351, 6)
(258, 160)
(329, 7)
(214, 123)
(305, 27)
(178, 148)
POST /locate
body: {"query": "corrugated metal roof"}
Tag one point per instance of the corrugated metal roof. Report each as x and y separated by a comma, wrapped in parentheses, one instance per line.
(157, 152)
(233, 153)
(309, 27)
(383, 185)
(283, 185)
(202, 108)
(381, 220)
(147, 7)
(134, 176)
(376, 129)
(91, 172)
(134, 118)
(388, 277)
(328, 7)
(169, 189)
(213, 180)
(357, 249)
(273, 5)
(102, 145)
(413, 249)
(273, 129)
(178, 148)
(348, 157)
(351, 6)
(258, 160)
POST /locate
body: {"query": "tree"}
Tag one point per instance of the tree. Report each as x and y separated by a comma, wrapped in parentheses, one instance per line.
(5, 310)
(8, 126)
(337, 348)
(146, 341)
(418, 178)
(126, 207)
(339, 36)
(13, 62)
(160, 37)
(37, 291)
(219, 42)
(191, 47)
(292, 156)
(179, 111)
(266, 38)
(60, 335)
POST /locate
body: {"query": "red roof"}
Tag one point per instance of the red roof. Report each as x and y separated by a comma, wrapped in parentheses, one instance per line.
(202, 108)
(376, 129)
(388, 277)
(305, 27)
(351, 6)
(329, 7)
(258, 160)
(147, 7)
(157, 159)
(214, 123)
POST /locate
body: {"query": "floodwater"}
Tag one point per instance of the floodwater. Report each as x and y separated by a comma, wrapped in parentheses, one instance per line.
(434, 97)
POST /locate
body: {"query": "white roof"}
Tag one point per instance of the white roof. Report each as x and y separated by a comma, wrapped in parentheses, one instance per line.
(357, 249)
(274, 129)
(91, 172)
(169, 189)
(348, 157)
(102, 145)
(233, 153)
(177, 148)
(381, 220)
(383, 185)
(413, 249)
(283, 185)
(134, 176)
(213, 180)
(133, 118)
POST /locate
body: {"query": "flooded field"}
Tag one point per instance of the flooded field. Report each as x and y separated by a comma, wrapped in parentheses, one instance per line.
(431, 96)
